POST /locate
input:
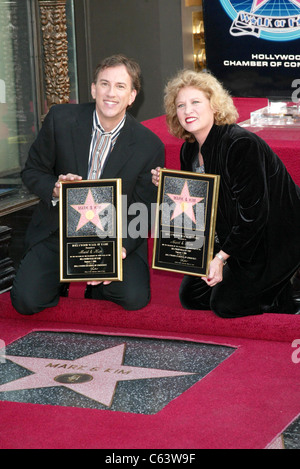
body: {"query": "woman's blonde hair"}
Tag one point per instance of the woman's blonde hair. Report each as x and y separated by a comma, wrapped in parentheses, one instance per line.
(220, 100)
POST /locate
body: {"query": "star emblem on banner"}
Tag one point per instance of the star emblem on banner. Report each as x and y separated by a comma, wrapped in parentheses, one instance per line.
(184, 203)
(259, 3)
(89, 212)
(94, 376)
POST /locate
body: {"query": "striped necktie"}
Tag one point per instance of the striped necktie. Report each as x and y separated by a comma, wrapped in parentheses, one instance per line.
(101, 146)
(100, 151)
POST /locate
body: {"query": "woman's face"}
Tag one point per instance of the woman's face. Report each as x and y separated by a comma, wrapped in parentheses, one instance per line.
(194, 112)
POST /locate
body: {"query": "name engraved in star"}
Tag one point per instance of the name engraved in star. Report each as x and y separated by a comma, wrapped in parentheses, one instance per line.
(86, 368)
(85, 207)
(191, 200)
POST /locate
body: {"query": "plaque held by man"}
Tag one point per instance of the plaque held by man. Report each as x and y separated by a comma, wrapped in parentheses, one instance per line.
(90, 231)
(185, 222)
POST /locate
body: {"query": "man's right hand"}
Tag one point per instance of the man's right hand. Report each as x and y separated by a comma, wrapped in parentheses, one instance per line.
(64, 177)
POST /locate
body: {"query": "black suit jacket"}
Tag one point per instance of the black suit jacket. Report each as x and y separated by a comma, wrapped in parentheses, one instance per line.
(62, 147)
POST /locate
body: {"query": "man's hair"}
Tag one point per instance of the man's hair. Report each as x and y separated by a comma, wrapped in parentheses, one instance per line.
(132, 67)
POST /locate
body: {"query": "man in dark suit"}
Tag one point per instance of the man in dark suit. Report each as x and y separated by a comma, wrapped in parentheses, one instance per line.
(89, 141)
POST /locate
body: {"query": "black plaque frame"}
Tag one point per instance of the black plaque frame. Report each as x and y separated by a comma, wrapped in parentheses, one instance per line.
(185, 222)
(91, 231)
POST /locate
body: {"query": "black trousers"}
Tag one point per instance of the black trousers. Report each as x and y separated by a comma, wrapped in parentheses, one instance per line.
(227, 299)
(37, 283)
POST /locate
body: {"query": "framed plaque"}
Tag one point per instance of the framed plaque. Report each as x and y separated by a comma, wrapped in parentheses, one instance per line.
(185, 222)
(90, 231)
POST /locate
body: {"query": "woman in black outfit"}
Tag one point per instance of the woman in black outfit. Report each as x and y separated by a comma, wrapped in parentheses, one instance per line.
(257, 252)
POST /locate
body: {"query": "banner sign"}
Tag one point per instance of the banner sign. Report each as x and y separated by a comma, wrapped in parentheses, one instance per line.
(253, 46)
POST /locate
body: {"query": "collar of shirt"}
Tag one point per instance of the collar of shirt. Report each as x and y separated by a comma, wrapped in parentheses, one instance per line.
(113, 133)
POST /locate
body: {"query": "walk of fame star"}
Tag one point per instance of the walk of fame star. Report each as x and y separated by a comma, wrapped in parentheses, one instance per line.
(259, 3)
(94, 376)
(184, 203)
(90, 212)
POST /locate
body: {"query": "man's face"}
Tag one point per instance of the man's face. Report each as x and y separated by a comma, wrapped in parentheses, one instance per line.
(113, 94)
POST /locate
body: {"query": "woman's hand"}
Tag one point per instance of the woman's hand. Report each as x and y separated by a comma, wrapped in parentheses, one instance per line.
(216, 266)
(155, 176)
(64, 177)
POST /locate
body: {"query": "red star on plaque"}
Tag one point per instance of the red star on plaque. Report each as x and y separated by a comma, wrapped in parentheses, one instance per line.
(184, 203)
(89, 212)
(95, 376)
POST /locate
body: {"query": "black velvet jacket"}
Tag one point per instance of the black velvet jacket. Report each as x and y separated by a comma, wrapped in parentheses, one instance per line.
(258, 219)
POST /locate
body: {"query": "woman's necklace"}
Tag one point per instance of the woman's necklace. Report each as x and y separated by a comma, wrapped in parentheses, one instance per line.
(201, 168)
